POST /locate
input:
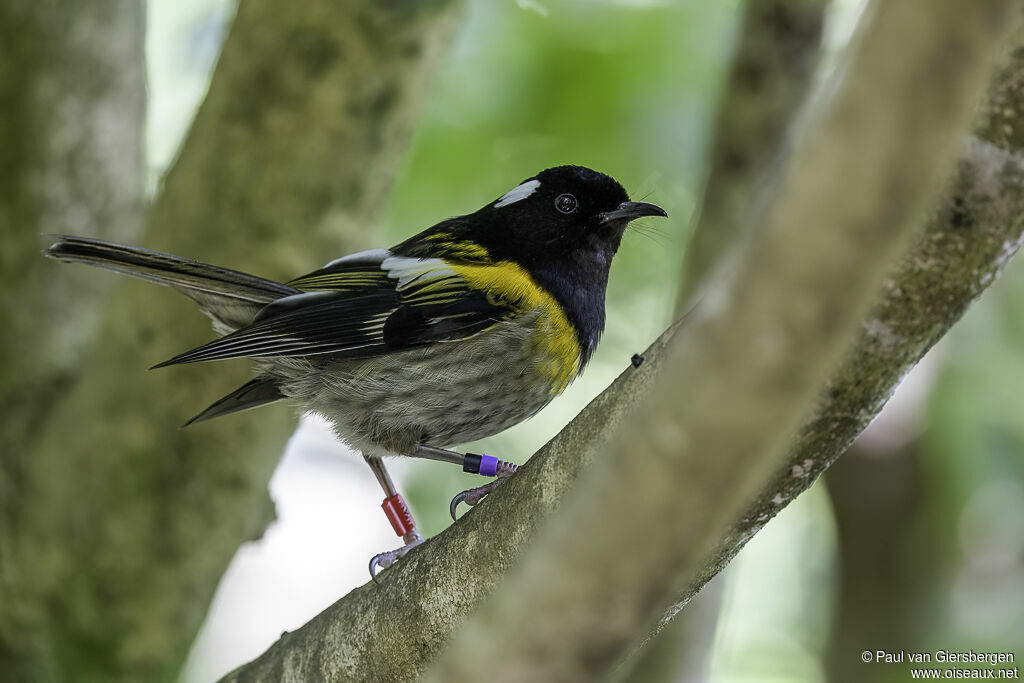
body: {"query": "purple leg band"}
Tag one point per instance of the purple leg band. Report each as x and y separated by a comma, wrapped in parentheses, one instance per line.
(488, 466)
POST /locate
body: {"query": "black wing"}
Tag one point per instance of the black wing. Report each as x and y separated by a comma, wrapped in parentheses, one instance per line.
(365, 305)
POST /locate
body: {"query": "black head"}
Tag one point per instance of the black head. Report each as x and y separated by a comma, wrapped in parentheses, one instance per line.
(563, 225)
(562, 212)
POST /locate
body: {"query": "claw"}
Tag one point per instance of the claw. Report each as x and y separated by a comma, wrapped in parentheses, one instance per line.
(454, 505)
(473, 496)
(387, 559)
(383, 561)
(378, 561)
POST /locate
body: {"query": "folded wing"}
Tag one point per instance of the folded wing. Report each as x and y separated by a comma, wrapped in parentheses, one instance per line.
(362, 305)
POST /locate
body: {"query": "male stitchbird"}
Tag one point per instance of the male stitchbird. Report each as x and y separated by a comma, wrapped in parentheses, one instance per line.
(457, 333)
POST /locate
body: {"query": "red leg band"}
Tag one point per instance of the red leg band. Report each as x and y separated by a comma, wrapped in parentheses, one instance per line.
(398, 514)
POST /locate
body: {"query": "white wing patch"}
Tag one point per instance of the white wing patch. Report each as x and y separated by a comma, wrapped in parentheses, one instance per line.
(517, 193)
(368, 257)
(420, 270)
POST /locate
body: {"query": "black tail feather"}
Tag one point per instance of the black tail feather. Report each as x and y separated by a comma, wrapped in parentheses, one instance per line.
(258, 392)
(230, 297)
(167, 268)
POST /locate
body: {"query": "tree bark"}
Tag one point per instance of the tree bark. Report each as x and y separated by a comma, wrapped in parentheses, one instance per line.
(779, 43)
(392, 630)
(72, 110)
(683, 649)
(121, 524)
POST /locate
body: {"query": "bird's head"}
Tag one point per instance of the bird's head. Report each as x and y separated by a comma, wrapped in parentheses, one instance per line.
(558, 213)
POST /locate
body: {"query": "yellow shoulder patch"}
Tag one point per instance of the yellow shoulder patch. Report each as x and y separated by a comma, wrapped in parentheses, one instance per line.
(465, 250)
(557, 347)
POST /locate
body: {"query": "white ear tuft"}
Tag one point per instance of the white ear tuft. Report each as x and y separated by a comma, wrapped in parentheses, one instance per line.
(517, 193)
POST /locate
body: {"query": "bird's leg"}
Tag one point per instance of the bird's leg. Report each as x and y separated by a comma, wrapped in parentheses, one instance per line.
(487, 465)
(397, 513)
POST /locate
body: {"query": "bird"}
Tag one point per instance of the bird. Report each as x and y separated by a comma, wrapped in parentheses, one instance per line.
(453, 335)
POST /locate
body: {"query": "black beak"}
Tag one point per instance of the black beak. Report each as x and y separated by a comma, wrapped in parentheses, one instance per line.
(628, 211)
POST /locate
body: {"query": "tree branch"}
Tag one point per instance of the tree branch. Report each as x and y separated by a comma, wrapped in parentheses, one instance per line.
(124, 523)
(967, 241)
(394, 629)
(779, 43)
(736, 381)
(966, 244)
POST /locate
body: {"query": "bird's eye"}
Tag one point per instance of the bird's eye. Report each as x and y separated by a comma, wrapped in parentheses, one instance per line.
(565, 203)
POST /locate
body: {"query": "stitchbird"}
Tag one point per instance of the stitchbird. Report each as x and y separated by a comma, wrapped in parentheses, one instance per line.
(457, 333)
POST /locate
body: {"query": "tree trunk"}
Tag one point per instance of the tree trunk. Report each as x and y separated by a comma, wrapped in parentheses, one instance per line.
(120, 522)
(72, 110)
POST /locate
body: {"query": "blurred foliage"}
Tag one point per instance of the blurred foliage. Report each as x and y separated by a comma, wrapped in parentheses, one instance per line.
(975, 476)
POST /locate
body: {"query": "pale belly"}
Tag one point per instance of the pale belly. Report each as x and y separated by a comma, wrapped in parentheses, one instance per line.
(440, 395)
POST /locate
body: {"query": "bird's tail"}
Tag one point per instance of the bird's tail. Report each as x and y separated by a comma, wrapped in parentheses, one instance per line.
(230, 297)
(257, 392)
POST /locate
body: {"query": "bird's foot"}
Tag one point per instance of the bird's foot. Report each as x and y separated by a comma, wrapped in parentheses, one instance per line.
(385, 560)
(475, 495)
